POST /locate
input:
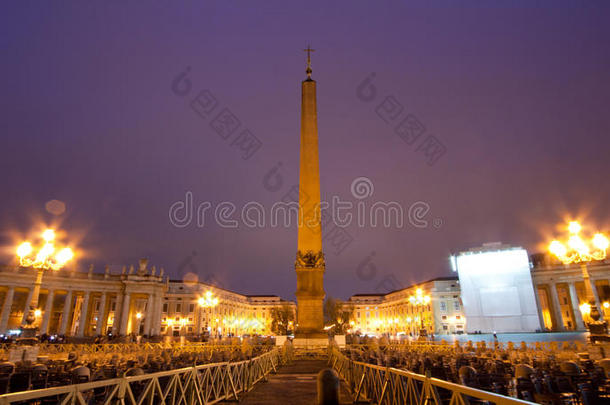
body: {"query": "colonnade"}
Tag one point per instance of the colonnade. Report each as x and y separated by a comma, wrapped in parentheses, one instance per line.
(559, 318)
(121, 312)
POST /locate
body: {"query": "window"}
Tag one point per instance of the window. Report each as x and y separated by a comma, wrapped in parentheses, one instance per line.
(445, 327)
(456, 305)
(358, 314)
(444, 317)
(458, 317)
(165, 307)
(178, 307)
(443, 307)
(191, 308)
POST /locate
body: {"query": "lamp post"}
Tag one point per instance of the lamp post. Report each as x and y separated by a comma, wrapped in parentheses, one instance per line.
(419, 300)
(138, 322)
(42, 258)
(207, 301)
(579, 250)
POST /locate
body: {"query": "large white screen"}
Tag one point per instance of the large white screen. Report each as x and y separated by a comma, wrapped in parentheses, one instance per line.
(500, 302)
(497, 291)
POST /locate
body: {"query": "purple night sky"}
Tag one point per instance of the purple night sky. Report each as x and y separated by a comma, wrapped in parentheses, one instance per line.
(517, 95)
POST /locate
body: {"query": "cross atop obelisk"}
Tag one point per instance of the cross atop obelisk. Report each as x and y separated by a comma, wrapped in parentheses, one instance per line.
(309, 51)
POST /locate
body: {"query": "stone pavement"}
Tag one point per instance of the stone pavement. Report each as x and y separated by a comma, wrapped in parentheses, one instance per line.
(294, 384)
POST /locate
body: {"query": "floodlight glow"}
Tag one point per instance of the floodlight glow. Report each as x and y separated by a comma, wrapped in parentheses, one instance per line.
(48, 235)
(24, 249)
(64, 256)
(600, 241)
(580, 250)
(574, 227)
(557, 248)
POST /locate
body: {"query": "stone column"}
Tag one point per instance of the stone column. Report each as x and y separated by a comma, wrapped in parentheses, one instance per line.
(116, 324)
(199, 310)
(157, 316)
(580, 325)
(125, 314)
(84, 312)
(101, 315)
(539, 307)
(48, 310)
(26, 309)
(66, 314)
(6, 309)
(598, 302)
(556, 307)
(148, 317)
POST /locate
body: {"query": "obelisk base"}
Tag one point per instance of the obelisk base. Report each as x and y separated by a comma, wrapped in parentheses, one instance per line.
(310, 343)
(310, 313)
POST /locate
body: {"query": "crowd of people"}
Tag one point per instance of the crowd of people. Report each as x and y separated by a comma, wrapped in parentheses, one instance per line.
(550, 374)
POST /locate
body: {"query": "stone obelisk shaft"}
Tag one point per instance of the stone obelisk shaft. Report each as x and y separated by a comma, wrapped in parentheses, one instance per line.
(309, 263)
(310, 234)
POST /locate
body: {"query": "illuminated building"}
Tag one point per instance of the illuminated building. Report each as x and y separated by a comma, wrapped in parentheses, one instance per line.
(140, 301)
(561, 291)
(398, 313)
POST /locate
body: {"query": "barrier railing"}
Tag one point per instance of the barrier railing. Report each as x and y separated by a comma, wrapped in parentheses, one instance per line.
(205, 384)
(387, 385)
(125, 348)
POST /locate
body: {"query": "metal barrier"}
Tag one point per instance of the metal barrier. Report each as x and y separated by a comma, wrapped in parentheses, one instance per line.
(387, 385)
(125, 348)
(205, 384)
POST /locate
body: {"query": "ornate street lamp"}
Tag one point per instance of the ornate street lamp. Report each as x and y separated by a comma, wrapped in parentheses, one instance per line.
(42, 258)
(207, 301)
(420, 300)
(579, 250)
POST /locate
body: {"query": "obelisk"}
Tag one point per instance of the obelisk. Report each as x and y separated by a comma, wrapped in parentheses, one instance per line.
(309, 264)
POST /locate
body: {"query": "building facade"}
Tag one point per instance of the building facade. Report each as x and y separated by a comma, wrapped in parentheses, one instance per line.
(408, 311)
(139, 301)
(561, 291)
(146, 302)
